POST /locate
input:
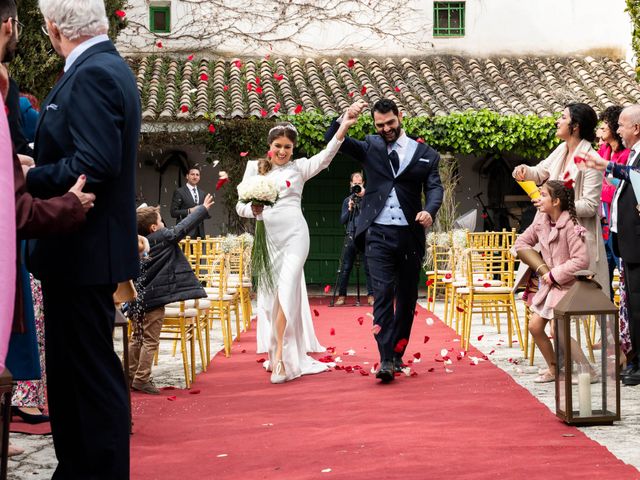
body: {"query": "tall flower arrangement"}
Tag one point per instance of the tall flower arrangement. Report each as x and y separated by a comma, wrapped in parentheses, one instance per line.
(259, 190)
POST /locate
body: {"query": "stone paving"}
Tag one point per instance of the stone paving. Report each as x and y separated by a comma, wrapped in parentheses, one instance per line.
(622, 439)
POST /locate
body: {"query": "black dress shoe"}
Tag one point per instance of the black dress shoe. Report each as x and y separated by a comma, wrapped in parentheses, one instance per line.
(629, 369)
(398, 365)
(28, 417)
(632, 379)
(385, 374)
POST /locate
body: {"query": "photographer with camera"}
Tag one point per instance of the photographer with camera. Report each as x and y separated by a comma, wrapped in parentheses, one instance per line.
(349, 218)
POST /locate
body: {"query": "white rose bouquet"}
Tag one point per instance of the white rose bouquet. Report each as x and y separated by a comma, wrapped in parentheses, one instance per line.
(261, 191)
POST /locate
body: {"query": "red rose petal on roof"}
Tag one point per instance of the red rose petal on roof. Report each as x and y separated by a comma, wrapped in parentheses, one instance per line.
(261, 360)
(480, 337)
(429, 282)
(298, 109)
(316, 313)
(278, 77)
(400, 345)
(237, 63)
(363, 91)
(204, 77)
(225, 88)
(244, 154)
(184, 109)
(332, 331)
(194, 392)
(259, 90)
(249, 86)
(267, 56)
(159, 44)
(420, 140)
(263, 112)
(426, 339)
(221, 182)
(120, 13)
(350, 63)
(212, 128)
(417, 355)
(351, 94)
(276, 107)
(172, 398)
(190, 57)
(397, 89)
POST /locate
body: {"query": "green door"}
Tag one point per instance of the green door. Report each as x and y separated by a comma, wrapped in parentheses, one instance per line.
(321, 204)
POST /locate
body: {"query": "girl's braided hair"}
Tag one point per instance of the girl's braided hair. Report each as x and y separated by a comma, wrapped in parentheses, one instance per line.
(566, 195)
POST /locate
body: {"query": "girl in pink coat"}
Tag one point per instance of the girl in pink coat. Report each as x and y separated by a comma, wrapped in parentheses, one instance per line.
(563, 248)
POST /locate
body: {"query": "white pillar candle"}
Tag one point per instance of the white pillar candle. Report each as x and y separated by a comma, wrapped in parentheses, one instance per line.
(584, 394)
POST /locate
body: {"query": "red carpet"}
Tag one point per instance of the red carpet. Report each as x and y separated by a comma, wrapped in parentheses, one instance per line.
(472, 423)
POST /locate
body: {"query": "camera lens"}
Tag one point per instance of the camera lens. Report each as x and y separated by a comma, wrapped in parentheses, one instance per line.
(356, 189)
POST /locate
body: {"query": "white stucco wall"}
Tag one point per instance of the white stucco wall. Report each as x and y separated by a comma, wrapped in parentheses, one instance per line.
(515, 27)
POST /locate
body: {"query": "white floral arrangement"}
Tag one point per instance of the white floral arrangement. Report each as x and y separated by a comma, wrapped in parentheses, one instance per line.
(229, 242)
(258, 189)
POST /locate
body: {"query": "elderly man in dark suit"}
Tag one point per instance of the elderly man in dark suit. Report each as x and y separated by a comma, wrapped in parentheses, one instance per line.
(90, 124)
(186, 198)
(392, 222)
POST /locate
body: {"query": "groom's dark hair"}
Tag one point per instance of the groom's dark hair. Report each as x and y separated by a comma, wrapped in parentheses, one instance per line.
(8, 9)
(385, 106)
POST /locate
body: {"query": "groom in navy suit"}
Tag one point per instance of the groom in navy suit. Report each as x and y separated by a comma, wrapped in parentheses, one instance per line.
(392, 222)
(90, 124)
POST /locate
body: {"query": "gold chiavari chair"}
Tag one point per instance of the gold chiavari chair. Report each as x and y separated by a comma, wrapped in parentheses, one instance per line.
(180, 324)
(222, 302)
(441, 258)
(238, 282)
(482, 296)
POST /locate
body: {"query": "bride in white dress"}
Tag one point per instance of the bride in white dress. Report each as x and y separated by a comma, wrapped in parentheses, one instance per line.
(285, 328)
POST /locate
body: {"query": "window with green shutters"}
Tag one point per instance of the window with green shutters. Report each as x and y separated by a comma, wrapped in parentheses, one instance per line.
(160, 18)
(448, 19)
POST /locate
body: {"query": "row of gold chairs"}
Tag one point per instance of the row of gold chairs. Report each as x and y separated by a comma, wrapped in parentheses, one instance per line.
(225, 273)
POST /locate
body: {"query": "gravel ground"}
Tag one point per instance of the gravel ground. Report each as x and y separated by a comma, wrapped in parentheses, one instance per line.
(622, 439)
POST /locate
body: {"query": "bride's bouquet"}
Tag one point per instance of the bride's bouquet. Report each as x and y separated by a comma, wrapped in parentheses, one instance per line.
(259, 190)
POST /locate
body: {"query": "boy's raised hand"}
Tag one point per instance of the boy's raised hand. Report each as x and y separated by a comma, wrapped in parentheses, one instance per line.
(208, 201)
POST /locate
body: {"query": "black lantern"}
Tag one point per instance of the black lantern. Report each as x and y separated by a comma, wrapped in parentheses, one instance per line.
(587, 387)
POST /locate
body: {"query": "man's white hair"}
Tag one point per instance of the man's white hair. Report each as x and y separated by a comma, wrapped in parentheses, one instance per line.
(76, 18)
(632, 112)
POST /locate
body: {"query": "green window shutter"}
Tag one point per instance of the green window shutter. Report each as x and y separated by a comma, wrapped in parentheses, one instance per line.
(448, 19)
(160, 18)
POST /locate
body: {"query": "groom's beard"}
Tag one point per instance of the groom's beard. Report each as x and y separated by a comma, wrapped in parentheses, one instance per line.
(392, 135)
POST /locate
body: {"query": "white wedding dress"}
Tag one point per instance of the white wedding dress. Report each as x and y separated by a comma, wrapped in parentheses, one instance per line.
(288, 243)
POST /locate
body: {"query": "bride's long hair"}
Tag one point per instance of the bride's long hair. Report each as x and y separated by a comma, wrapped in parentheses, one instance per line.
(280, 130)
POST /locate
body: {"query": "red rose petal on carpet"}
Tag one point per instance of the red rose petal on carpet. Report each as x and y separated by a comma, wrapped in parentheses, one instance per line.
(426, 339)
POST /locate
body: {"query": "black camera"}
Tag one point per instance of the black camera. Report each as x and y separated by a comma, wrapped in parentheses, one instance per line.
(356, 189)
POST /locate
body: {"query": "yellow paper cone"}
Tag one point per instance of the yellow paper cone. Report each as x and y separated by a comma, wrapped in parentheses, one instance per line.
(530, 188)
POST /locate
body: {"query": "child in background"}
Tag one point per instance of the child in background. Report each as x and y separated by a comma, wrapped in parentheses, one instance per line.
(563, 248)
(165, 277)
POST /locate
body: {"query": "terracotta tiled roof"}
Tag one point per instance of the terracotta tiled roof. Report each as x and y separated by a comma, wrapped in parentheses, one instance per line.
(183, 90)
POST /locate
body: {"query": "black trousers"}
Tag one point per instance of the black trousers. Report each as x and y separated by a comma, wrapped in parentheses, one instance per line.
(632, 287)
(349, 258)
(86, 386)
(395, 257)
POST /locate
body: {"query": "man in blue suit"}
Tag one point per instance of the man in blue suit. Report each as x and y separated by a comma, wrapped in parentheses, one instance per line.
(90, 124)
(392, 222)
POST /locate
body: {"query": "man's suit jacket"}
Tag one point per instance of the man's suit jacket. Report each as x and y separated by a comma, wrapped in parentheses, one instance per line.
(90, 124)
(420, 175)
(625, 241)
(181, 202)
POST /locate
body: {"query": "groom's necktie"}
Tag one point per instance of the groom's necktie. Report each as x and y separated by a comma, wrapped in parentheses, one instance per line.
(195, 195)
(395, 161)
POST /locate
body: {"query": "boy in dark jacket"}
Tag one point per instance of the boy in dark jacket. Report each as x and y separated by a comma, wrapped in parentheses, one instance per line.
(166, 276)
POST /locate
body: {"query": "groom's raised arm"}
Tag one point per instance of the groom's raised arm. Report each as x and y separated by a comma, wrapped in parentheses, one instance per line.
(354, 148)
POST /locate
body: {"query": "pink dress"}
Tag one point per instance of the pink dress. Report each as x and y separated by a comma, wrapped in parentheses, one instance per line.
(563, 249)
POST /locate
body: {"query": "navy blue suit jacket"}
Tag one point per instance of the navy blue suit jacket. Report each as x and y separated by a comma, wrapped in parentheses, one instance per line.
(420, 175)
(90, 124)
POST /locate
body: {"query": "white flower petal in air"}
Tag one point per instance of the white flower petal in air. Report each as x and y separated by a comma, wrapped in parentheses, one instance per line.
(430, 321)
(444, 352)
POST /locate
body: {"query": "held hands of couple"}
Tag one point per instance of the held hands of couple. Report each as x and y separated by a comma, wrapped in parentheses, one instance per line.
(424, 219)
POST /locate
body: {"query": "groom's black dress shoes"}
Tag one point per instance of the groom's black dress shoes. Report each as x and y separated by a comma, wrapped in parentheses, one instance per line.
(398, 365)
(386, 374)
